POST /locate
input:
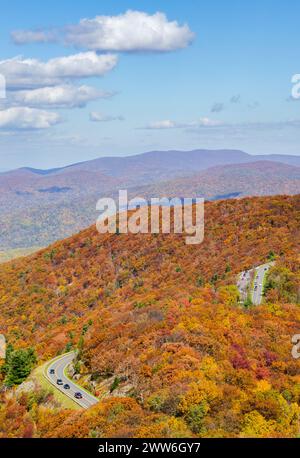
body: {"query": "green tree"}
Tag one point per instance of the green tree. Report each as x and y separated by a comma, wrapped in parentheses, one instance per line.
(200, 281)
(271, 256)
(5, 367)
(115, 384)
(19, 366)
(248, 301)
(195, 416)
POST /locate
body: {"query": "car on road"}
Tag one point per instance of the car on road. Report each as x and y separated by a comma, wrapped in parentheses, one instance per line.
(66, 386)
(78, 395)
(52, 371)
(59, 381)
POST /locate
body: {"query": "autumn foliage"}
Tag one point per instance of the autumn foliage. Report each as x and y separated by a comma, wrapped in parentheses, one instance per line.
(160, 330)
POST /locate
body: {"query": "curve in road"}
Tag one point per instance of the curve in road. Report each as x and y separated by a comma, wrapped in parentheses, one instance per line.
(244, 283)
(258, 289)
(56, 369)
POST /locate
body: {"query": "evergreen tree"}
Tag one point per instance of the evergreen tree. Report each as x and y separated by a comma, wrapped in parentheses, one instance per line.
(9, 350)
(19, 366)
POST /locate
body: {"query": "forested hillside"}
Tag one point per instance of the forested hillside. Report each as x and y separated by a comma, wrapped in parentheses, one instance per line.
(159, 322)
(229, 181)
(38, 207)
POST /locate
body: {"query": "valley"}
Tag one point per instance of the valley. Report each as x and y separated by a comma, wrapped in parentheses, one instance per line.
(38, 207)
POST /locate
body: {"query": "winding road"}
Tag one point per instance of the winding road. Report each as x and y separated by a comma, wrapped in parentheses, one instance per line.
(245, 279)
(258, 289)
(56, 369)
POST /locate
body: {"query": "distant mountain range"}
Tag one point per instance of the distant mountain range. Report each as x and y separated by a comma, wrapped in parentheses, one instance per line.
(40, 206)
(160, 164)
(228, 181)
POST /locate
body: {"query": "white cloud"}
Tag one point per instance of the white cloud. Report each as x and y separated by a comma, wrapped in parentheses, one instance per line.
(21, 37)
(66, 96)
(99, 117)
(26, 73)
(165, 124)
(131, 31)
(168, 124)
(241, 130)
(207, 122)
(27, 118)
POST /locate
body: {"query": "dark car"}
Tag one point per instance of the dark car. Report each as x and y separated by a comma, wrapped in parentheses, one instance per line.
(78, 395)
(59, 381)
(66, 386)
(52, 371)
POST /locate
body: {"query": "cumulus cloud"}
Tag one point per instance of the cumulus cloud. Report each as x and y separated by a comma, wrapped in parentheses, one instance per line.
(28, 73)
(27, 118)
(65, 96)
(95, 116)
(21, 37)
(132, 31)
(169, 124)
(128, 32)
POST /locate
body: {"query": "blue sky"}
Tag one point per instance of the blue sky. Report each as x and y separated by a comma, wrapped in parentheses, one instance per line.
(223, 81)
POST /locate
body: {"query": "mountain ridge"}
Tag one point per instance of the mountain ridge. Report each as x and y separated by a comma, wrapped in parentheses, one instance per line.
(38, 207)
(238, 154)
